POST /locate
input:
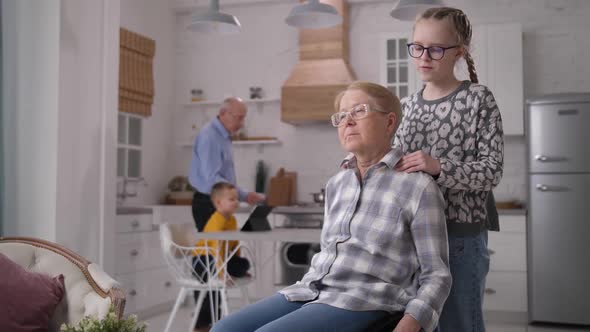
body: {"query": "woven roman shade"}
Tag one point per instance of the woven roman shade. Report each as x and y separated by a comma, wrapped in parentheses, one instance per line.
(136, 78)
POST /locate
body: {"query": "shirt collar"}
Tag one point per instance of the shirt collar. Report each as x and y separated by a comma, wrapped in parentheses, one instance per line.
(220, 128)
(389, 160)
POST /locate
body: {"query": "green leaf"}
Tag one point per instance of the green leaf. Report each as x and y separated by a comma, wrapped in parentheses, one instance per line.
(109, 324)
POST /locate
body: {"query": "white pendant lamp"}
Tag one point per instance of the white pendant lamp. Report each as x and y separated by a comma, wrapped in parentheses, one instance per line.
(407, 10)
(214, 21)
(313, 15)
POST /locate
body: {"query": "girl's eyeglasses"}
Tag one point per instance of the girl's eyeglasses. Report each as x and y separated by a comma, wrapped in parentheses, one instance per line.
(434, 52)
(356, 113)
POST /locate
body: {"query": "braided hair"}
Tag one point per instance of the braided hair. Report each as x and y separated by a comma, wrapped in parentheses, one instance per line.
(462, 28)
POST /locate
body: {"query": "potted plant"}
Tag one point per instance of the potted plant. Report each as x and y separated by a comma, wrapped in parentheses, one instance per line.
(108, 324)
(180, 190)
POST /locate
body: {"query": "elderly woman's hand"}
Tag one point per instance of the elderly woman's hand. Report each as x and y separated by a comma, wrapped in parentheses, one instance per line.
(407, 324)
(418, 161)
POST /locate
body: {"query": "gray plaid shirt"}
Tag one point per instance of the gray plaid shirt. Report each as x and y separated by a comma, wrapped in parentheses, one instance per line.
(383, 244)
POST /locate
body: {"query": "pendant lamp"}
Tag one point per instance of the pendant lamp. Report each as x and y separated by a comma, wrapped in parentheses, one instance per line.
(313, 15)
(214, 21)
(407, 10)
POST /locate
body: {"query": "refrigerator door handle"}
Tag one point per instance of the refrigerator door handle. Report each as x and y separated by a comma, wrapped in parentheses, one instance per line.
(540, 157)
(544, 188)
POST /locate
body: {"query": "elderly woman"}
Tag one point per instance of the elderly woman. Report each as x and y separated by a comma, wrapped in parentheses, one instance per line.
(383, 244)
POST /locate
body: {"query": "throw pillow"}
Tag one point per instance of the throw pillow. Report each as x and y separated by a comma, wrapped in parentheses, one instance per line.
(28, 298)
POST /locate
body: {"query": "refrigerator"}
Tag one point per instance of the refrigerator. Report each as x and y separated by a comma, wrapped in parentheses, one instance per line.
(558, 223)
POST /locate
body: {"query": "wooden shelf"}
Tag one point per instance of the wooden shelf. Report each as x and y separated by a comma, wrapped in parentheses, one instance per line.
(204, 103)
(240, 142)
(256, 142)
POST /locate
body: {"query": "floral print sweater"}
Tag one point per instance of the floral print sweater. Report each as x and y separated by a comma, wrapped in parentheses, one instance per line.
(464, 132)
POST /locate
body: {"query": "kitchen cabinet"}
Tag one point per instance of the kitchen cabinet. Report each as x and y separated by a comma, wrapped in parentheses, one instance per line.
(506, 283)
(497, 54)
(140, 267)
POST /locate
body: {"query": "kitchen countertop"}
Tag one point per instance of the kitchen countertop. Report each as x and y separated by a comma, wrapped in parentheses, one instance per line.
(294, 209)
(512, 212)
(301, 235)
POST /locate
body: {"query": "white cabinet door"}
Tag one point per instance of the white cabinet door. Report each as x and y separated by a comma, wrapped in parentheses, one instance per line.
(505, 74)
(505, 291)
(507, 251)
(497, 53)
(134, 223)
(138, 251)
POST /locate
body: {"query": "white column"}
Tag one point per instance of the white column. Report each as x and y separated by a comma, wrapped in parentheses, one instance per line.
(61, 62)
(30, 112)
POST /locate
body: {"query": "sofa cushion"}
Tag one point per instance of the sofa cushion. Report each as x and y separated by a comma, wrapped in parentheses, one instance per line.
(29, 299)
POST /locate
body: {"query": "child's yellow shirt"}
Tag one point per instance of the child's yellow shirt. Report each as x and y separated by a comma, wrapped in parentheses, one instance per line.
(218, 223)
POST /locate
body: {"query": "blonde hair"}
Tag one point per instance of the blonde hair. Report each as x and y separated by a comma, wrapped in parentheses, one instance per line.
(462, 29)
(219, 188)
(383, 97)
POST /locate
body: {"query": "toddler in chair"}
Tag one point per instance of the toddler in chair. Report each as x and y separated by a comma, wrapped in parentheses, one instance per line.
(225, 199)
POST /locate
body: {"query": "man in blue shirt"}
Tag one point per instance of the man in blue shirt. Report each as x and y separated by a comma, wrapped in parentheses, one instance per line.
(213, 162)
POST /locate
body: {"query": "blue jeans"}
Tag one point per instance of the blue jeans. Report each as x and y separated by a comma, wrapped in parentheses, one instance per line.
(470, 263)
(275, 313)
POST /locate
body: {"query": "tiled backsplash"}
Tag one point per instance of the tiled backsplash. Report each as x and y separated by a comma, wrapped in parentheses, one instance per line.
(513, 184)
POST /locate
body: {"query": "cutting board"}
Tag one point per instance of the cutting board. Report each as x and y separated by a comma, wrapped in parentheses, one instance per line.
(293, 185)
(283, 188)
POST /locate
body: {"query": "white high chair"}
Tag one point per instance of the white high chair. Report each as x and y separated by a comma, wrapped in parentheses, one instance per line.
(178, 247)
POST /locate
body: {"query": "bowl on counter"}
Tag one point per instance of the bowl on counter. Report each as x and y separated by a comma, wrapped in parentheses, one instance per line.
(319, 197)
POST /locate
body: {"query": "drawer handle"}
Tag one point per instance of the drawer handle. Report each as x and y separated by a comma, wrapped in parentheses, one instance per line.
(167, 284)
(491, 252)
(134, 253)
(133, 292)
(135, 223)
(490, 291)
(568, 112)
(544, 158)
(544, 188)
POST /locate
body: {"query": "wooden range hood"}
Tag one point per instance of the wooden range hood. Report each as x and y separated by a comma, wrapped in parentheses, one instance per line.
(321, 73)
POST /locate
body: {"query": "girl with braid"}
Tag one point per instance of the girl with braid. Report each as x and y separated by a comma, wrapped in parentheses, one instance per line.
(452, 130)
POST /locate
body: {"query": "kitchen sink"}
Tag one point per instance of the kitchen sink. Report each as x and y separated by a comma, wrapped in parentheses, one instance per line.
(133, 210)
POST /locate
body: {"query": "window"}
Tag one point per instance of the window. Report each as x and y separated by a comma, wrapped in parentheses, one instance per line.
(397, 73)
(129, 143)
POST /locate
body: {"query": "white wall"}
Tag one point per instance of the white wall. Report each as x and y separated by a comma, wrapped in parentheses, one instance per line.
(555, 51)
(89, 55)
(30, 32)
(155, 19)
(60, 107)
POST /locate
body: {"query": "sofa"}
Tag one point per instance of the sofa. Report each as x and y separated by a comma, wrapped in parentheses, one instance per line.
(88, 289)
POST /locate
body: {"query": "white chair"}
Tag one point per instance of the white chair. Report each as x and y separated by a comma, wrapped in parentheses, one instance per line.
(178, 246)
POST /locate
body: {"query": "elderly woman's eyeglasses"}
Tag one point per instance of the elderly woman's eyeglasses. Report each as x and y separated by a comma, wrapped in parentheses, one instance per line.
(356, 113)
(434, 52)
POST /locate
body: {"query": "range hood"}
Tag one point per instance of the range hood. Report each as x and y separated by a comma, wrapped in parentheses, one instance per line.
(322, 72)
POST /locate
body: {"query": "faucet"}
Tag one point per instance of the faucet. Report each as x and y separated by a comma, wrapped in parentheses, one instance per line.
(124, 193)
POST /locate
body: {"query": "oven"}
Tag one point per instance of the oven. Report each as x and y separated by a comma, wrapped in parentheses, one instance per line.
(294, 258)
(293, 261)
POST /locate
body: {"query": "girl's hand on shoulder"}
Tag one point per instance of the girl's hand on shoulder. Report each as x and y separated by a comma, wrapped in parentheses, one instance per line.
(418, 161)
(407, 324)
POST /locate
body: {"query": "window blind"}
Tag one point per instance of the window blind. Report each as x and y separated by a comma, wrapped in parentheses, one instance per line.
(136, 79)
